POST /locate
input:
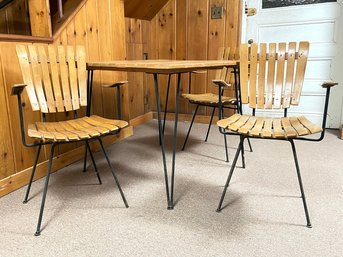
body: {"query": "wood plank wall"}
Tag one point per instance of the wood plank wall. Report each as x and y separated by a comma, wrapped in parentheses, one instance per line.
(182, 30)
(100, 26)
(14, 19)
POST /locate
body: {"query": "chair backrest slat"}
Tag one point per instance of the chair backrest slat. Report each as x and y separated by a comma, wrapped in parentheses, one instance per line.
(244, 76)
(27, 76)
(253, 75)
(234, 55)
(55, 78)
(300, 72)
(271, 76)
(261, 75)
(64, 78)
(289, 74)
(73, 78)
(37, 78)
(224, 70)
(82, 74)
(220, 57)
(46, 78)
(280, 74)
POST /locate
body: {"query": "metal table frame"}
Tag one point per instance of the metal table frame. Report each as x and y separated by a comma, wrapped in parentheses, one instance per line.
(168, 186)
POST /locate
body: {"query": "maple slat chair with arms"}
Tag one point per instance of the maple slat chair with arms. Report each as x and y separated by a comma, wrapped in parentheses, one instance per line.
(225, 79)
(273, 80)
(55, 80)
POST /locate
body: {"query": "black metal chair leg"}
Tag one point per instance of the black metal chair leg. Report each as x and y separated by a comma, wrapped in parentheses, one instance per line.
(45, 191)
(85, 160)
(243, 157)
(249, 145)
(300, 184)
(209, 125)
(239, 149)
(114, 175)
(32, 174)
(221, 116)
(92, 158)
(190, 127)
(226, 149)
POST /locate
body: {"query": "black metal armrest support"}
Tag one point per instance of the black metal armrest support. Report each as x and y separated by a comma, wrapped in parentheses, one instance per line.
(17, 90)
(117, 85)
(327, 85)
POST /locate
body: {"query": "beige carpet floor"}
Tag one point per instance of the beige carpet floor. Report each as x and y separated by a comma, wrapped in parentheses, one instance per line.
(263, 213)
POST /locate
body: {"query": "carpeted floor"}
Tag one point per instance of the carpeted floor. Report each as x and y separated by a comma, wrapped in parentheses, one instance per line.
(263, 215)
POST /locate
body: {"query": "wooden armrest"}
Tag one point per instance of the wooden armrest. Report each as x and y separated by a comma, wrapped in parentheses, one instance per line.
(117, 84)
(199, 71)
(328, 84)
(220, 82)
(17, 89)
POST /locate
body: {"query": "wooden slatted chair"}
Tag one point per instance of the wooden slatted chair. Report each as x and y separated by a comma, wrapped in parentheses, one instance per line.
(225, 79)
(55, 80)
(273, 80)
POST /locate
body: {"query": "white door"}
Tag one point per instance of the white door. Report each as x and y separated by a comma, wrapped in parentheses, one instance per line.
(316, 23)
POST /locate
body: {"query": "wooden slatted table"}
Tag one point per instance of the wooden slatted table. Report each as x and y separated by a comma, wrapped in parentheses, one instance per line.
(156, 67)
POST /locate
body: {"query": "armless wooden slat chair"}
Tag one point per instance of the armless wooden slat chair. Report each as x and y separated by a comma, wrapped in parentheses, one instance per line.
(55, 79)
(225, 79)
(273, 80)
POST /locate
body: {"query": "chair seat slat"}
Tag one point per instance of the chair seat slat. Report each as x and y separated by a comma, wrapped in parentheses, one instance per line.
(313, 128)
(42, 130)
(224, 123)
(301, 130)
(93, 122)
(239, 123)
(267, 128)
(289, 130)
(51, 129)
(70, 135)
(98, 128)
(257, 129)
(81, 134)
(248, 125)
(91, 132)
(277, 128)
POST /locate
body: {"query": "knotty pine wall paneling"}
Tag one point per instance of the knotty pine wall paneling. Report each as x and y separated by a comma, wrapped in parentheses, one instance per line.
(183, 29)
(83, 28)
